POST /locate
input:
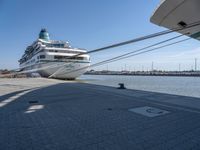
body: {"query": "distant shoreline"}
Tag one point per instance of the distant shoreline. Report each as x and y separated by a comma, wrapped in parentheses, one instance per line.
(168, 75)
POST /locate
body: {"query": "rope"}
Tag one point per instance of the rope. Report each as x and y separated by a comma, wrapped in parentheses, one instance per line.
(109, 60)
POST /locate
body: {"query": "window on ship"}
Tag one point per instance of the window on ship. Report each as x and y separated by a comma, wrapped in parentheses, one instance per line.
(68, 57)
(42, 56)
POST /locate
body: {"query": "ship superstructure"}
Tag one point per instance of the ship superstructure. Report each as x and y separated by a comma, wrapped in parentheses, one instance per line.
(54, 59)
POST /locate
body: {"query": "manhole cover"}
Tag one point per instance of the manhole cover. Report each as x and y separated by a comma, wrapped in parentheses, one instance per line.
(149, 111)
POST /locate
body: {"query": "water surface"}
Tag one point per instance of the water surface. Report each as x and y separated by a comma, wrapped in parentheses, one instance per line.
(186, 86)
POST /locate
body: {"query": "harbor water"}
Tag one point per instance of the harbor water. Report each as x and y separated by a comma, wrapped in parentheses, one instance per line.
(185, 86)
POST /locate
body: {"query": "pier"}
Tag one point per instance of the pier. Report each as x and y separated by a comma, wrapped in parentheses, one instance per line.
(40, 114)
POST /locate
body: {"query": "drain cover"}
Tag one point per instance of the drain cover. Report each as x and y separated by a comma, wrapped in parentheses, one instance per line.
(149, 111)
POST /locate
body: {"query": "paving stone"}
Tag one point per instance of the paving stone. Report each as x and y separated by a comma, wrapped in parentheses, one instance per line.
(77, 116)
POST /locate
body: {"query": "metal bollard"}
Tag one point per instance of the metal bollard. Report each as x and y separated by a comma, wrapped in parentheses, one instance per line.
(121, 86)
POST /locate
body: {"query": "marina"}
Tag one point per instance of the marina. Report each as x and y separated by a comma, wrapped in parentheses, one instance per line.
(61, 97)
(38, 113)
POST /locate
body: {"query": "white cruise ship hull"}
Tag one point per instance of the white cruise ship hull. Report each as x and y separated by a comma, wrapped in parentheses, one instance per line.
(59, 70)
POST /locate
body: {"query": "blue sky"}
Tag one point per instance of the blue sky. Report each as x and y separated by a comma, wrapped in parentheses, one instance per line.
(90, 24)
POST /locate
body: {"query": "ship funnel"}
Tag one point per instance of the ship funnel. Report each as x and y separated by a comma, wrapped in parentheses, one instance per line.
(44, 35)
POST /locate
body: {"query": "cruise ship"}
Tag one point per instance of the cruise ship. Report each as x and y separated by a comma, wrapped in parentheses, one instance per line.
(55, 59)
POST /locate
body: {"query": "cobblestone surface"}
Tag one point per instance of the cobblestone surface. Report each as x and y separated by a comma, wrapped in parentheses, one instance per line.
(76, 116)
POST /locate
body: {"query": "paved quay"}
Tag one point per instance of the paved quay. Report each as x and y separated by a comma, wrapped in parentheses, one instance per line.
(47, 114)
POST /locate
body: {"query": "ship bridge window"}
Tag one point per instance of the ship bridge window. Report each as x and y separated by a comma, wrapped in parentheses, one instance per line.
(65, 51)
(80, 58)
(68, 57)
(42, 56)
(56, 45)
(58, 57)
(54, 51)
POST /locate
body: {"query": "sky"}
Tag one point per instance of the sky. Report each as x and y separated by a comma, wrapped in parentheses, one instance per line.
(91, 24)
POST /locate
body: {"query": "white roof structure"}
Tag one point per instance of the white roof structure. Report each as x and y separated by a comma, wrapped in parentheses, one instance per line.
(178, 13)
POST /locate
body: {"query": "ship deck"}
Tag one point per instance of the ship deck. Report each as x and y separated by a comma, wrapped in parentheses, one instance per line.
(45, 114)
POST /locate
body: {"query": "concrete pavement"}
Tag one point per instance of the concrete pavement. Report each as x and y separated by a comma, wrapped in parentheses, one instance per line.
(42, 114)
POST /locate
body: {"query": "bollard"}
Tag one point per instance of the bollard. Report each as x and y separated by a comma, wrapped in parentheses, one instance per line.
(121, 86)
